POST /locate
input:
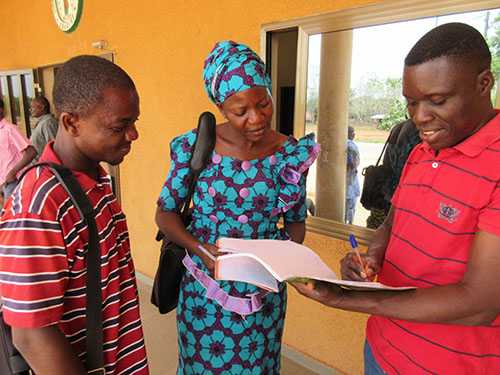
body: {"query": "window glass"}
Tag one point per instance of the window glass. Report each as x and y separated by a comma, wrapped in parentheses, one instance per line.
(353, 102)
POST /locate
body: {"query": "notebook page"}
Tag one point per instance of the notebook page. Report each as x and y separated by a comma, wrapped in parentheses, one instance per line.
(284, 259)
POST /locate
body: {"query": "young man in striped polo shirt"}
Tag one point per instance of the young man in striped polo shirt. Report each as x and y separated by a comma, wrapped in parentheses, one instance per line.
(43, 242)
(442, 234)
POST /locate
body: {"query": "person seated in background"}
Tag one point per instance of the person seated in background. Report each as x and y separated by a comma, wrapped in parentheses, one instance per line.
(352, 189)
(46, 125)
(16, 152)
(442, 233)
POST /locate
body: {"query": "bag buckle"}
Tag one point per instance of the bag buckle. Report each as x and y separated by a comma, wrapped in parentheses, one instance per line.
(97, 371)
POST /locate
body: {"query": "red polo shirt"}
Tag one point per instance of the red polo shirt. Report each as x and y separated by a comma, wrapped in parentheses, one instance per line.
(43, 245)
(440, 203)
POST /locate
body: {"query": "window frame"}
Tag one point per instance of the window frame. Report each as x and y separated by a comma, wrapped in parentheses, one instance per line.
(371, 15)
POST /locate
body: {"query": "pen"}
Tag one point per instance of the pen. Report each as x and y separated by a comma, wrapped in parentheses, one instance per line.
(354, 247)
(206, 252)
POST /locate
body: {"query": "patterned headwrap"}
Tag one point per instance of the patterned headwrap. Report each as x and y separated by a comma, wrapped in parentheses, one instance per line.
(232, 67)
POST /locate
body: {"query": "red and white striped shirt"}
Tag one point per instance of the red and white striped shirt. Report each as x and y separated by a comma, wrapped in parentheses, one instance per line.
(441, 202)
(43, 246)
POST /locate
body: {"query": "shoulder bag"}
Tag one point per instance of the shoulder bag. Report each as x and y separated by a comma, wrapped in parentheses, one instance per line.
(375, 177)
(168, 277)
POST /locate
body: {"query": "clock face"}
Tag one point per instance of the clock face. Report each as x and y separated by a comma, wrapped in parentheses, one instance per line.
(67, 13)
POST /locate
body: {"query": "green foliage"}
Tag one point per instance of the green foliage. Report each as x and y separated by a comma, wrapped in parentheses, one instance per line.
(396, 114)
(494, 44)
(312, 106)
(378, 97)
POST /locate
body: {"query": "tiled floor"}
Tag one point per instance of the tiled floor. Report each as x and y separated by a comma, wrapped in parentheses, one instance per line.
(161, 340)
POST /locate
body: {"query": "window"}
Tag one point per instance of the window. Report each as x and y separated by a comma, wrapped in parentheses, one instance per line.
(17, 91)
(348, 74)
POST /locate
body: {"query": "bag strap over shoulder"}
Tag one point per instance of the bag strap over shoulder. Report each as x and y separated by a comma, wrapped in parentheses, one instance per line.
(382, 152)
(202, 149)
(393, 135)
(93, 309)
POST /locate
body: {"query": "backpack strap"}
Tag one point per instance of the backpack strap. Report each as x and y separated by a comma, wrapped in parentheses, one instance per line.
(382, 152)
(93, 309)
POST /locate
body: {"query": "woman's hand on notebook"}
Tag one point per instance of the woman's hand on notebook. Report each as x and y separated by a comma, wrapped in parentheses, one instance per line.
(208, 253)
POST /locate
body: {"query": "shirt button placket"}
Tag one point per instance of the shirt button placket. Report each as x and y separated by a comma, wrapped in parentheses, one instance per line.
(434, 171)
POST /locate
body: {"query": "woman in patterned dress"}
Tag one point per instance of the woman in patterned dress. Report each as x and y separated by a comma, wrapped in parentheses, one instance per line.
(256, 176)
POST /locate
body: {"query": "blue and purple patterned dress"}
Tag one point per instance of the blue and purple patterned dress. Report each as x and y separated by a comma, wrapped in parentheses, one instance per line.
(244, 199)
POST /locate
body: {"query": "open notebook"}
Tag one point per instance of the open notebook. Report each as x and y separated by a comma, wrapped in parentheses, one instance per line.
(265, 262)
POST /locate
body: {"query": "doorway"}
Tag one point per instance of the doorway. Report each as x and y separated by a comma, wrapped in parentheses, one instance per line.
(17, 89)
(282, 65)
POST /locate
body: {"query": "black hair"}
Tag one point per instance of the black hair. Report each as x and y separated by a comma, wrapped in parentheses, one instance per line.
(80, 82)
(2, 105)
(350, 132)
(455, 40)
(44, 102)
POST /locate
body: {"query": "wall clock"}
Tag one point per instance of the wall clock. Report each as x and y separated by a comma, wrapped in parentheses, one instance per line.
(67, 13)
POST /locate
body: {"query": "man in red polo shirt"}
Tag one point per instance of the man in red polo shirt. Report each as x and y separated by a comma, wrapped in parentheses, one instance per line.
(43, 241)
(442, 234)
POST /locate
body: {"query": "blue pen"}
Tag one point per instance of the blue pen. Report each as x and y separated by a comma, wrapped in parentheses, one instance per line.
(354, 247)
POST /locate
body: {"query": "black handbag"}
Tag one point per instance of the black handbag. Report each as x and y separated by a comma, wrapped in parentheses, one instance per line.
(11, 361)
(376, 177)
(168, 277)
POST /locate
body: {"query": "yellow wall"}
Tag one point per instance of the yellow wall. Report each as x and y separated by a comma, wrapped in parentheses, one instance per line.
(333, 337)
(162, 44)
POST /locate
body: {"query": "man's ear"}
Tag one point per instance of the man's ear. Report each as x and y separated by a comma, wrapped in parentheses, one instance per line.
(70, 123)
(485, 82)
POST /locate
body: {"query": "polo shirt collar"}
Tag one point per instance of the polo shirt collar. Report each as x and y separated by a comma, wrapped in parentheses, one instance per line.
(477, 142)
(86, 182)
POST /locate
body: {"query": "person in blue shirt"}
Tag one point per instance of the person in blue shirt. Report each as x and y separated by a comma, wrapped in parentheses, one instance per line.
(352, 190)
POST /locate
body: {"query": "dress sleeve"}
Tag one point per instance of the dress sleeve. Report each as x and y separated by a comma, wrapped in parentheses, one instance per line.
(292, 171)
(175, 188)
(298, 212)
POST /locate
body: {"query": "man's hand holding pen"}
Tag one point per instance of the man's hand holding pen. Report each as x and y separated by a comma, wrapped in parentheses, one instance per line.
(356, 266)
(359, 267)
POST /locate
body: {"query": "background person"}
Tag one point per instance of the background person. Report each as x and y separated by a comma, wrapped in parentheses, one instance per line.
(442, 233)
(352, 181)
(16, 153)
(46, 124)
(402, 138)
(255, 177)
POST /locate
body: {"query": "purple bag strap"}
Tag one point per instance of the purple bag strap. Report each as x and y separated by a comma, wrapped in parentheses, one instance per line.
(240, 305)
